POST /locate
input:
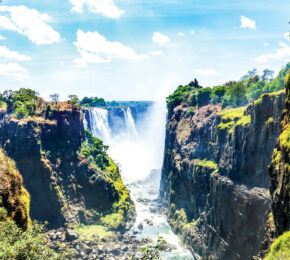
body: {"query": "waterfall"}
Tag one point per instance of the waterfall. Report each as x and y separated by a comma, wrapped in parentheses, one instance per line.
(136, 151)
(99, 124)
(130, 124)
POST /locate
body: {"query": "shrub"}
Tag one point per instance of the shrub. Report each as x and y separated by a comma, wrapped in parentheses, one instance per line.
(218, 93)
(203, 96)
(17, 244)
(95, 151)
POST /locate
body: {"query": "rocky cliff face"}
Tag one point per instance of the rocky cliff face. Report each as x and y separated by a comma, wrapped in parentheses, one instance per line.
(14, 199)
(63, 185)
(279, 223)
(215, 175)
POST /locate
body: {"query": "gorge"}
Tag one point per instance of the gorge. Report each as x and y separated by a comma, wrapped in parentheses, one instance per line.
(208, 176)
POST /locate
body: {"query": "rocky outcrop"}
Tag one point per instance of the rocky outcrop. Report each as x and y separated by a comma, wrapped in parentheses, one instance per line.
(279, 221)
(215, 175)
(64, 187)
(14, 199)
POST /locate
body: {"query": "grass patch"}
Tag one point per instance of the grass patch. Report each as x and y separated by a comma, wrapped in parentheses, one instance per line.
(88, 232)
(280, 249)
(230, 118)
(232, 113)
(206, 163)
(284, 138)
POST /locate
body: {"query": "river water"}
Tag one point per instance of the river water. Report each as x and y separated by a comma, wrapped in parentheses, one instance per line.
(137, 151)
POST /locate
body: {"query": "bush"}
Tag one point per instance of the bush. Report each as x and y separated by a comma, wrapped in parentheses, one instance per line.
(218, 93)
(203, 96)
(95, 151)
(237, 95)
(21, 112)
(19, 245)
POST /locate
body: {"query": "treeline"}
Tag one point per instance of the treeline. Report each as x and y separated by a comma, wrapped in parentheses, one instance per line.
(232, 93)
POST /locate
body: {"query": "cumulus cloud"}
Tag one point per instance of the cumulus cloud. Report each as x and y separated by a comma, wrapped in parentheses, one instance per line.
(247, 23)
(28, 22)
(13, 71)
(287, 35)
(282, 53)
(160, 38)
(155, 53)
(2, 37)
(181, 34)
(95, 48)
(105, 7)
(266, 44)
(206, 72)
(192, 32)
(8, 54)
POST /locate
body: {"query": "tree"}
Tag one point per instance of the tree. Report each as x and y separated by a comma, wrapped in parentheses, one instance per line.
(203, 96)
(237, 95)
(267, 75)
(217, 94)
(194, 84)
(54, 97)
(73, 100)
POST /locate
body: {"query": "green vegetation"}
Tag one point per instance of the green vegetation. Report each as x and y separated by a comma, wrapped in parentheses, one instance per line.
(231, 94)
(88, 232)
(124, 206)
(95, 151)
(74, 100)
(203, 96)
(18, 244)
(152, 252)
(206, 163)
(230, 118)
(95, 102)
(280, 249)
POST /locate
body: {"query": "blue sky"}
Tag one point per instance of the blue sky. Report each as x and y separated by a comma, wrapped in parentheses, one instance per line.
(137, 50)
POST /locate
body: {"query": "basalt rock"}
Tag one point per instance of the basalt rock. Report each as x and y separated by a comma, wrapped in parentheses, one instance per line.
(215, 175)
(64, 187)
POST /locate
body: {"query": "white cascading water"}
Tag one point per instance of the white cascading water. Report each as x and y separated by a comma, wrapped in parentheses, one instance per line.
(137, 154)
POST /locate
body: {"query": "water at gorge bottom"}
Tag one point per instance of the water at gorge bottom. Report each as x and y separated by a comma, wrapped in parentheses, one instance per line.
(153, 217)
(138, 148)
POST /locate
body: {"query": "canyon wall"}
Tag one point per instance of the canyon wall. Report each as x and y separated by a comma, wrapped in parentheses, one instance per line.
(215, 175)
(64, 187)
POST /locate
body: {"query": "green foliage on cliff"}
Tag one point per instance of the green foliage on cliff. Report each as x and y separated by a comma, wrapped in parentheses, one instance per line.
(232, 117)
(95, 151)
(14, 199)
(231, 94)
(94, 102)
(18, 244)
(203, 96)
(206, 163)
(89, 232)
(280, 249)
(124, 206)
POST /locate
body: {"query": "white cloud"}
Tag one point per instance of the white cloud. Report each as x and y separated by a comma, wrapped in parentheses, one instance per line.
(13, 71)
(155, 53)
(160, 38)
(181, 34)
(28, 22)
(206, 72)
(8, 54)
(192, 32)
(247, 23)
(283, 44)
(95, 48)
(105, 7)
(282, 53)
(266, 44)
(287, 35)
(2, 37)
